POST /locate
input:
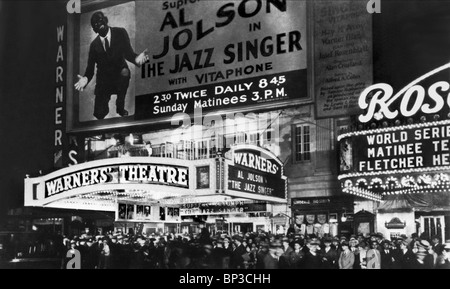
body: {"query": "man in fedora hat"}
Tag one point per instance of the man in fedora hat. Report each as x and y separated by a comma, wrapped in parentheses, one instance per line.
(336, 244)
(91, 259)
(271, 260)
(237, 261)
(436, 244)
(262, 252)
(287, 251)
(297, 255)
(313, 259)
(386, 255)
(329, 255)
(404, 256)
(444, 262)
(219, 255)
(227, 245)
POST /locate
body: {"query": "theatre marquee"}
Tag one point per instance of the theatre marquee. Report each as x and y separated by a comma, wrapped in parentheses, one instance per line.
(252, 173)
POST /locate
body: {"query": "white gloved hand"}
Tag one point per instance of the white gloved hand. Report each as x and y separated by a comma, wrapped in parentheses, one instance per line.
(82, 82)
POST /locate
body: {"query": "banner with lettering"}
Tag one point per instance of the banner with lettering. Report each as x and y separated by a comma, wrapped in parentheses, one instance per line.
(243, 53)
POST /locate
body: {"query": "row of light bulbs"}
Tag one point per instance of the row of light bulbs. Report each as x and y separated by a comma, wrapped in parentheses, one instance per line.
(89, 203)
(414, 191)
(436, 187)
(438, 180)
(362, 193)
(394, 172)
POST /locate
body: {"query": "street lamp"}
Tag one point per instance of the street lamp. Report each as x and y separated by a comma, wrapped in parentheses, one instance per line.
(344, 217)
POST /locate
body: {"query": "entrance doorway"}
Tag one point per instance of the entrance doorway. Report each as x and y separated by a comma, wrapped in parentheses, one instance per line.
(433, 225)
(242, 227)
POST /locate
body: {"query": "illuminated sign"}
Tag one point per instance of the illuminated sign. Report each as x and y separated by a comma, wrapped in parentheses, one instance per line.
(115, 174)
(194, 61)
(380, 101)
(395, 160)
(60, 138)
(201, 62)
(256, 172)
(399, 149)
(249, 181)
(254, 161)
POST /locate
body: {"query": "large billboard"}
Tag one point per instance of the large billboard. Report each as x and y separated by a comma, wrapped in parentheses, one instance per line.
(122, 16)
(163, 58)
(342, 56)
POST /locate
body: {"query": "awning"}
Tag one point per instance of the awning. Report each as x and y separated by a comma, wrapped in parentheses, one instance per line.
(403, 203)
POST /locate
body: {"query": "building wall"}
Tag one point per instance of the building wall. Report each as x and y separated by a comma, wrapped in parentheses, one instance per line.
(318, 176)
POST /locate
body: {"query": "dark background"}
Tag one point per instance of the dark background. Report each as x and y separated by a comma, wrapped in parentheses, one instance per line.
(28, 48)
(410, 39)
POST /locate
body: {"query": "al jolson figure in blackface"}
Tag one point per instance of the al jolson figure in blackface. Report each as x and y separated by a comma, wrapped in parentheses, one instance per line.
(108, 51)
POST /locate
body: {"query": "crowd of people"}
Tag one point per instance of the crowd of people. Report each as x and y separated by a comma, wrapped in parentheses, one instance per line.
(259, 250)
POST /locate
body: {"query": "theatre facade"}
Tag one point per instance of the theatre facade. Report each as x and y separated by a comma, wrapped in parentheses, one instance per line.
(203, 144)
(230, 131)
(398, 156)
(170, 194)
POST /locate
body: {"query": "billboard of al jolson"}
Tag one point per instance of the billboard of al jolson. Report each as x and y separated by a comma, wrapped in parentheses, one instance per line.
(141, 60)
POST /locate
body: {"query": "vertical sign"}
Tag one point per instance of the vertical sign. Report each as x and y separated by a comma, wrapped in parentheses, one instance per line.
(218, 177)
(59, 97)
(342, 56)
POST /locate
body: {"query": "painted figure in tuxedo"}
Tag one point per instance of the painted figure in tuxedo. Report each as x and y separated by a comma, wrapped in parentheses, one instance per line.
(109, 52)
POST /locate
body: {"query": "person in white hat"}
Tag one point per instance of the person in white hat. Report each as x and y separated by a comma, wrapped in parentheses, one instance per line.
(421, 251)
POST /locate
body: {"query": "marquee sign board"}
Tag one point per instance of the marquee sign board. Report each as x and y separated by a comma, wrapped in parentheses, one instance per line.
(396, 159)
(115, 174)
(100, 184)
(398, 149)
(256, 171)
